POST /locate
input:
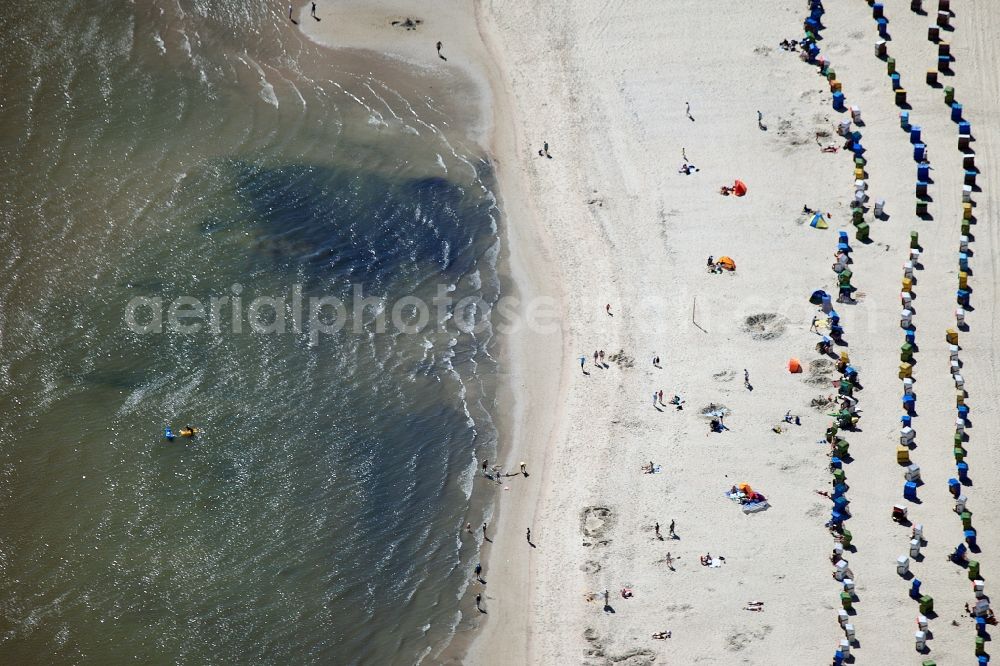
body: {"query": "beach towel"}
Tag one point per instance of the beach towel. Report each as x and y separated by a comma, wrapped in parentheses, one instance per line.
(755, 506)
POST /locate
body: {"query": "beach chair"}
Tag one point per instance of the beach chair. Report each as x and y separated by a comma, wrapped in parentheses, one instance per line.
(843, 243)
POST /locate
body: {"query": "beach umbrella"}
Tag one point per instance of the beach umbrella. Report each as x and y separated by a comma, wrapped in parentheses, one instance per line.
(818, 222)
(727, 263)
(739, 188)
(794, 365)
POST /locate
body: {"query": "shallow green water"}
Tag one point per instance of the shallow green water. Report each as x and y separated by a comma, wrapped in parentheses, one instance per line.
(316, 519)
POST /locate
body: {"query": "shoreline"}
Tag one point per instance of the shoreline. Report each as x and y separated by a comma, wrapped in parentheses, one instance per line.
(528, 358)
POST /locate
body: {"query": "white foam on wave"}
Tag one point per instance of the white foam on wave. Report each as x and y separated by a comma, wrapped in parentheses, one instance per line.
(384, 103)
(160, 43)
(185, 44)
(446, 254)
(266, 92)
(466, 481)
(491, 255)
(301, 98)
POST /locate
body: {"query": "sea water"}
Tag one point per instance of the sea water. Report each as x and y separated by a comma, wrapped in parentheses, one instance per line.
(190, 190)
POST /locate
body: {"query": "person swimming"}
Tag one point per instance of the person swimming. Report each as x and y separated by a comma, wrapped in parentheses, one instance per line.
(188, 431)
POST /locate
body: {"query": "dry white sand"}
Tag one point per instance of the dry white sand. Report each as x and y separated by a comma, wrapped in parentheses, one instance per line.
(609, 220)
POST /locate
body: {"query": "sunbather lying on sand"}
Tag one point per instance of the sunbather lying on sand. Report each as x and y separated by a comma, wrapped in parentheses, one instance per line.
(626, 593)
(649, 469)
(725, 190)
(830, 148)
(662, 635)
(755, 606)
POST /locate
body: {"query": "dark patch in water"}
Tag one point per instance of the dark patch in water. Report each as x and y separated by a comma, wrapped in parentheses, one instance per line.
(331, 224)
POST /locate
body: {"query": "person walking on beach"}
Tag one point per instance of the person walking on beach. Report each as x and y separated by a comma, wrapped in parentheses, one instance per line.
(479, 572)
(659, 395)
(312, 12)
(290, 15)
(607, 308)
(524, 469)
(656, 361)
(656, 530)
(439, 52)
(602, 357)
(760, 121)
(595, 357)
(468, 528)
(607, 599)
(583, 359)
(669, 559)
(479, 600)
(484, 530)
(654, 398)
(673, 535)
(690, 117)
(546, 148)
(529, 535)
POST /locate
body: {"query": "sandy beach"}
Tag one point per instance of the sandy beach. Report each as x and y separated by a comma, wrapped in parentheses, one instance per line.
(624, 94)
